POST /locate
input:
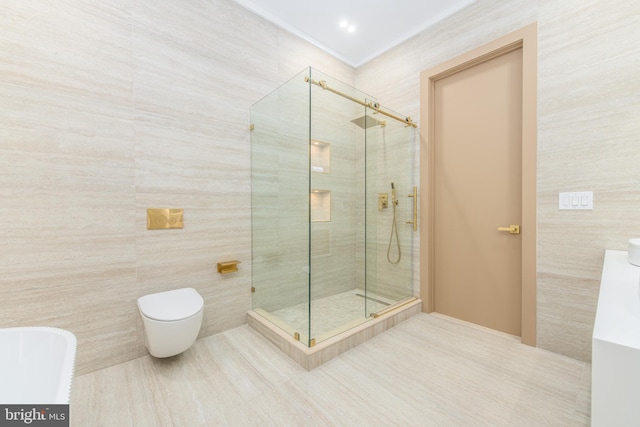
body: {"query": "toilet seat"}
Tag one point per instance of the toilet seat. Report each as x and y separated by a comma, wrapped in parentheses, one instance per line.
(171, 306)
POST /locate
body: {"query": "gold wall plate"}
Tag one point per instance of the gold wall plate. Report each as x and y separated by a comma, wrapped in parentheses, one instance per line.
(163, 219)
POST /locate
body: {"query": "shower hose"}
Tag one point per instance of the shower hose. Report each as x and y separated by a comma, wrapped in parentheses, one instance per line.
(394, 230)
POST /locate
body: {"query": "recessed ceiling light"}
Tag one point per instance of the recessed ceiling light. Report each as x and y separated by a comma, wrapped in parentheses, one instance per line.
(344, 24)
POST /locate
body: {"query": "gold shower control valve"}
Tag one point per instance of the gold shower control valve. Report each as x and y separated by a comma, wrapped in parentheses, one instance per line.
(383, 201)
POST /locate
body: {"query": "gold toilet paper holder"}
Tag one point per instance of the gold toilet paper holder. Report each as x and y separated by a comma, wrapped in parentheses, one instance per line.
(227, 267)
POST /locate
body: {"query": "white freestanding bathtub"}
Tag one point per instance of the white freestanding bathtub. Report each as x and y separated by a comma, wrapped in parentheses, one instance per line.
(36, 365)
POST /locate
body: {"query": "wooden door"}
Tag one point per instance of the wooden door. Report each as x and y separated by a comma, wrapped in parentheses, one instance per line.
(477, 190)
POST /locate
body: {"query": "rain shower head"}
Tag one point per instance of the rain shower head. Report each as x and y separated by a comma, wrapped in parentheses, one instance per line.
(365, 122)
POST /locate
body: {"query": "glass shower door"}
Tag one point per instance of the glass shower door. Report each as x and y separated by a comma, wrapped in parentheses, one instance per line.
(390, 170)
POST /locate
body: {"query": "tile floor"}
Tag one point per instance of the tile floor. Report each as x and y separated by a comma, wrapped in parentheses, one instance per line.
(428, 371)
(330, 314)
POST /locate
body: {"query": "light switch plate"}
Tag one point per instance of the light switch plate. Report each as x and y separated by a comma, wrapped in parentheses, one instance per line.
(581, 200)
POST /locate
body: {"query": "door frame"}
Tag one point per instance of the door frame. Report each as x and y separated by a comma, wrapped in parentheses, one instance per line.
(527, 39)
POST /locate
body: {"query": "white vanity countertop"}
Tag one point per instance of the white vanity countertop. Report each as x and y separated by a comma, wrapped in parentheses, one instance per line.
(618, 313)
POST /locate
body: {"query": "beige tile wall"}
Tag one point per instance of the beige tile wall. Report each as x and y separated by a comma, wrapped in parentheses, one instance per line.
(588, 127)
(110, 108)
(107, 109)
(334, 271)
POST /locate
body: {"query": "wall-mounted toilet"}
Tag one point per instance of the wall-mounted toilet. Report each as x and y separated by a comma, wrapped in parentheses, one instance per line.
(171, 320)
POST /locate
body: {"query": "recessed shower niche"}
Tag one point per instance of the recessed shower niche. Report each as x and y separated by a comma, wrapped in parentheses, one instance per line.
(320, 156)
(320, 199)
(320, 203)
(321, 151)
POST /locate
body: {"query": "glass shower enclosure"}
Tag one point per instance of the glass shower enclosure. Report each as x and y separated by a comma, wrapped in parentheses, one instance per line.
(332, 207)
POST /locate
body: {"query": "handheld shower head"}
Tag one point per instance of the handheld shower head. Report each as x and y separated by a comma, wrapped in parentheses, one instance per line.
(393, 194)
(394, 227)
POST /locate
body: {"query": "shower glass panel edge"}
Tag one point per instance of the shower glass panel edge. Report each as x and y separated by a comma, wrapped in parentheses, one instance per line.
(280, 207)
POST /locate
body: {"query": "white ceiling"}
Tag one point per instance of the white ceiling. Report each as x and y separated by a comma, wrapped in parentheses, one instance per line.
(380, 24)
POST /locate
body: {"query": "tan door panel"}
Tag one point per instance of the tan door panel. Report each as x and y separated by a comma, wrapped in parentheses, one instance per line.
(477, 190)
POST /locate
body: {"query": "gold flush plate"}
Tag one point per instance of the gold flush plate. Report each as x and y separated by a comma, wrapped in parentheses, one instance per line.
(163, 219)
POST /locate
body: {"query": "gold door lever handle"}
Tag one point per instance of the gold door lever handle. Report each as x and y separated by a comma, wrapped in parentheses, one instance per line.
(512, 229)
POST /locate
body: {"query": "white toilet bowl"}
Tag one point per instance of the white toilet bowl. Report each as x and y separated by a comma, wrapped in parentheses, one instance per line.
(171, 320)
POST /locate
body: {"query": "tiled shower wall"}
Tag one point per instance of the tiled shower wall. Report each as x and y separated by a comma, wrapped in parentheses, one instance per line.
(588, 127)
(110, 108)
